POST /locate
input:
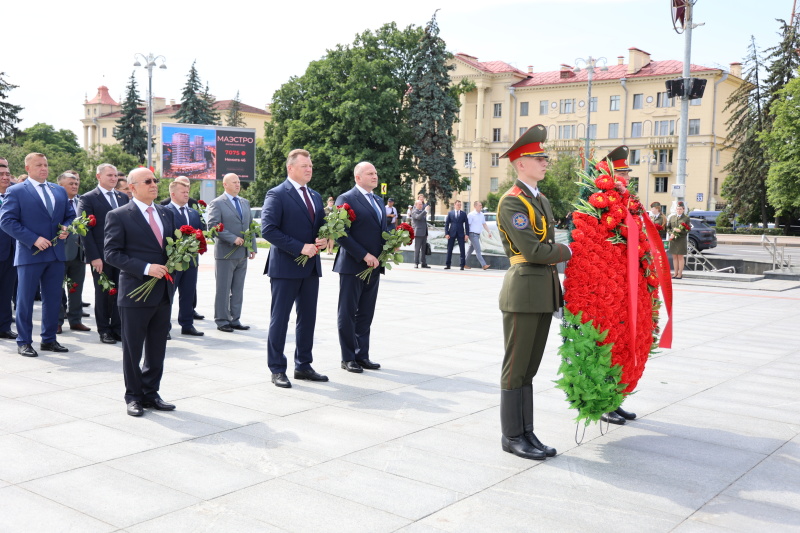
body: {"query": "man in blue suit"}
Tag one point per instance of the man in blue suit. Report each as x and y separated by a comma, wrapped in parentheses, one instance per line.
(456, 228)
(185, 281)
(8, 273)
(290, 221)
(358, 250)
(135, 243)
(33, 212)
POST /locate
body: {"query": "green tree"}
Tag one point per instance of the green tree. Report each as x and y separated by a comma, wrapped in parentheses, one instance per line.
(780, 140)
(130, 130)
(9, 113)
(195, 108)
(431, 113)
(211, 102)
(347, 107)
(56, 140)
(559, 185)
(234, 118)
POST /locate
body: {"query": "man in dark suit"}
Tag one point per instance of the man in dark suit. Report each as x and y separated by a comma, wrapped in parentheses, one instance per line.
(8, 272)
(99, 202)
(456, 228)
(75, 267)
(185, 281)
(358, 250)
(135, 243)
(32, 213)
(290, 221)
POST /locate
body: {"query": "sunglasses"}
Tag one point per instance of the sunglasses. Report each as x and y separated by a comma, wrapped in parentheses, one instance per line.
(148, 181)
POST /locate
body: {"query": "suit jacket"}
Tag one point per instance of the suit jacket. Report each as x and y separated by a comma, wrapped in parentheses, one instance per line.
(419, 220)
(7, 242)
(364, 236)
(180, 220)
(25, 218)
(94, 203)
(222, 210)
(73, 249)
(130, 245)
(456, 226)
(286, 225)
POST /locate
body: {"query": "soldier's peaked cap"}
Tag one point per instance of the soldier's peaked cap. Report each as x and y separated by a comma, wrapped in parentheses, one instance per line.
(619, 158)
(529, 144)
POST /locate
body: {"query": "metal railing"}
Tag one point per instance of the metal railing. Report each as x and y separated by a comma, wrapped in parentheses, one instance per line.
(778, 253)
(695, 260)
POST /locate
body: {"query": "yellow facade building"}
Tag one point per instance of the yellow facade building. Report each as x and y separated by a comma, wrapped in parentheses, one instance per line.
(101, 113)
(629, 106)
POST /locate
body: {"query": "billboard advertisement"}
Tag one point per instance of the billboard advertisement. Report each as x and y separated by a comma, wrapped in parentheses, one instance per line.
(207, 152)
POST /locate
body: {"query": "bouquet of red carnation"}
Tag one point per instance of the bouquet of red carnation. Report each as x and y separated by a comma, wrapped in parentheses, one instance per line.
(79, 226)
(181, 252)
(335, 226)
(402, 235)
(253, 231)
(682, 229)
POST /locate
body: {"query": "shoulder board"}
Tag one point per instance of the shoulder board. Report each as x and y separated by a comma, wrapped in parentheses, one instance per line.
(514, 191)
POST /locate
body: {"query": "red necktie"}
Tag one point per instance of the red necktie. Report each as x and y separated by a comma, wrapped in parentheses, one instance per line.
(154, 226)
(308, 204)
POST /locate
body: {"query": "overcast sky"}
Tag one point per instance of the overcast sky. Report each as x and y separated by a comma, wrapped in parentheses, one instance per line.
(60, 54)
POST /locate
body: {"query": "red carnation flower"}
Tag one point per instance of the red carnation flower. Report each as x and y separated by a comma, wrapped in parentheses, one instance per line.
(220, 226)
(345, 206)
(604, 182)
(406, 227)
(92, 221)
(686, 226)
(351, 214)
(73, 289)
(613, 197)
(112, 292)
(622, 181)
(201, 202)
(599, 200)
(187, 230)
(602, 166)
(609, 221)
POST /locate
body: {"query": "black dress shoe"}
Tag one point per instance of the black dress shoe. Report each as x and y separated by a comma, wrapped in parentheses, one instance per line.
(352, 366)
(191, 331)
(447, 268)
(52, 347)
(462, 268)
(280, 380)
(520, 447)
(309, 375)
(416, 266)
(625, 414)
(8, 334)
(369, 365)
(135, 409)
(240, 327)
(77, 326)
(26, 350)
(613, 418)
(425, 266)
(226, 328)
(107, 338)
(536, 443)
(158, 404)
(117, 337)
(85, 304)
(197, 316)
(85, 315)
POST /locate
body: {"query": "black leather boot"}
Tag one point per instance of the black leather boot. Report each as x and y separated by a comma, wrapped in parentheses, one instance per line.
(513, 439)
(527, 420)
(627, 415)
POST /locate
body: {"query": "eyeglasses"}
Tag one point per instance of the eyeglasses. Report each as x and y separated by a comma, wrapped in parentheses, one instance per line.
(148, 181)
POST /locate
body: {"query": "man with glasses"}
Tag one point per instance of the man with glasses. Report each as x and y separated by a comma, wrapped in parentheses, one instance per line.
(99, 202)
(8, 272)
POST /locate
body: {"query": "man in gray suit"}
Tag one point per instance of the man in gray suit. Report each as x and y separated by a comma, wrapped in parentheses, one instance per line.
(419, 220)
(234, 214)
(71, 305)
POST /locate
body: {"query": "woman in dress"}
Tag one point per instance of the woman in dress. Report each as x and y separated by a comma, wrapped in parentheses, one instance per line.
(678, 238)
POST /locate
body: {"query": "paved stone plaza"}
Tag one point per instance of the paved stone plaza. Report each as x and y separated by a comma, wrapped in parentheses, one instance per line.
(414, 446)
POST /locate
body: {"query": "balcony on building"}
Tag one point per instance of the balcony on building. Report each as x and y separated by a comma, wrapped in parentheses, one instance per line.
(660, 167)
(663, 141)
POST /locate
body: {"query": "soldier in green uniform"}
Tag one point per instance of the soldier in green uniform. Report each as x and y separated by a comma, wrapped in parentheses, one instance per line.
(531, 291)
(659, 219)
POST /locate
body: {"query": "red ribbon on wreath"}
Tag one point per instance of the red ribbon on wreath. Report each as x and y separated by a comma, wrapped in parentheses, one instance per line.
(661, 265)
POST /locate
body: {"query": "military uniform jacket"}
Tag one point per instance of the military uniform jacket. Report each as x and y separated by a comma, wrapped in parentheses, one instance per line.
(661, 220)
(527, 230)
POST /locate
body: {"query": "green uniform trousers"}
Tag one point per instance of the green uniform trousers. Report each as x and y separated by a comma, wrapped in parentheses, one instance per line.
(526, 336)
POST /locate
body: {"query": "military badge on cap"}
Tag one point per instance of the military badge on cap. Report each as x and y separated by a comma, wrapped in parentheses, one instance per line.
(529, 144)
(520, 221)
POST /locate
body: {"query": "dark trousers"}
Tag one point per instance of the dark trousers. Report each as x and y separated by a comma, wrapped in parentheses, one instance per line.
(105, 307)
(525, 338)
(419, 250)
(144, 329)
(302, 293)
(71, 302)
(450, 242)
(8, 279)
(186, 285)
(50, 276)
(356, 308)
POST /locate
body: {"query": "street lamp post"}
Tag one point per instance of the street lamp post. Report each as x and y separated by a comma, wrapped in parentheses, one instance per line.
(651, 158)
(149, 63)
(590, 64)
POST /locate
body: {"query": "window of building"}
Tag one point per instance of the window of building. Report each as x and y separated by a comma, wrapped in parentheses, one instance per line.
(716, 186)
(494, 184)
(696, 101)
(634, 157)
(523, 109)
(662, 100)
(88, 113)
(593, 131)
(663, 160)
(614, 105)
(566, 132)
(694, 126)
(544, 106)
(636, 129)
(496, 135)
(467, 159)
(522, 130)
(717, 161)
(593, 104)
(613, 130)
(661, 184)
(638, 101)
(495, 160)
(664, 127)
(498, 110)
(567, 106)
(105, 132)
